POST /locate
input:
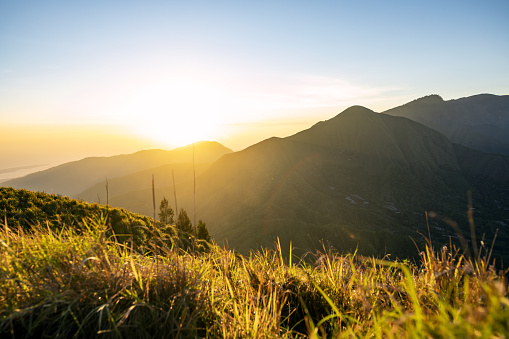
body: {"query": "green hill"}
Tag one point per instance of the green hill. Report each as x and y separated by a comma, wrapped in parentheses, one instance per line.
(31, 210)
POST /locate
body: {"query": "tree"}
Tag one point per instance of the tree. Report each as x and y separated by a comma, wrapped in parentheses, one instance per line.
(183, 222)
(202, 231)
(166, 212)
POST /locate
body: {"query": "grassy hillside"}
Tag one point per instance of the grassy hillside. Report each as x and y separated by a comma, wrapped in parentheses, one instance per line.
(31, 211)
(64, 283)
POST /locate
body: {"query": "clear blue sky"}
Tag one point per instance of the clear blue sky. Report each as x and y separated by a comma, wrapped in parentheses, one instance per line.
(211, 64)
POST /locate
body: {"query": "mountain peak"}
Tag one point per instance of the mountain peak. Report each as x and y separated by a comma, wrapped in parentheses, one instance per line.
(429, 99)
(357, 110)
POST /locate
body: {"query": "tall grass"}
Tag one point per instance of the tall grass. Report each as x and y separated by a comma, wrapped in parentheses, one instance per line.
(71, 283)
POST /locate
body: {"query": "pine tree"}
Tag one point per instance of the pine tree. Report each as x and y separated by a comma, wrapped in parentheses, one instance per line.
(166, 212)
(183, 222)
(202, 231)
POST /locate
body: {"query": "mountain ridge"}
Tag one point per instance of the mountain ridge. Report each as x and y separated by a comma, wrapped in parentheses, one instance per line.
(74, 177)
(480, 122)
(321, 181)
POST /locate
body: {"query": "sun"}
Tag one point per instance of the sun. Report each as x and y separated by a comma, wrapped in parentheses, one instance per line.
(179, 112)
(182, 129)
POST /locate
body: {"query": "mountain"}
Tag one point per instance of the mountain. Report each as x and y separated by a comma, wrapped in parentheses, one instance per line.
(361, 180)
(75, 177)
(135, 192)
(480, 121)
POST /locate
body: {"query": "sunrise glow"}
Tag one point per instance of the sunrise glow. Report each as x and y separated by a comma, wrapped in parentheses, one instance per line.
(170, 74)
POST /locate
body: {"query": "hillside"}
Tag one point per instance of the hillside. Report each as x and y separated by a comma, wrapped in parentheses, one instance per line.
(130, 184)
(69, 283)
(480, 122)
(32, 210)
(75, 177)
(360, 180)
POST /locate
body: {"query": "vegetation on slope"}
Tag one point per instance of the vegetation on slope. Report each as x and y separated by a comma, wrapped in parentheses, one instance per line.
(68, 283)
(26, 210)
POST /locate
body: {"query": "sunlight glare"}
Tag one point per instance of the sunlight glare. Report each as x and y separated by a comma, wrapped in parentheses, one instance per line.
(178, 113)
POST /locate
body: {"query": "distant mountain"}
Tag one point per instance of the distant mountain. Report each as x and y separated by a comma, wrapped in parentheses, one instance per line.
(359, 180)
(75, 177)
(480, 121)
(135, 190)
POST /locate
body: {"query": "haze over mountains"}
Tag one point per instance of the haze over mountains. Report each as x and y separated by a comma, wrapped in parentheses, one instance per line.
(74, 177)
(359, 180)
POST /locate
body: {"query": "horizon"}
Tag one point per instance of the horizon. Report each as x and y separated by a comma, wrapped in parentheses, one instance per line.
(128, 144)
(100, 79)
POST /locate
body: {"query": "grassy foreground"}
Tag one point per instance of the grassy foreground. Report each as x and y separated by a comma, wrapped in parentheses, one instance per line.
(72, 283)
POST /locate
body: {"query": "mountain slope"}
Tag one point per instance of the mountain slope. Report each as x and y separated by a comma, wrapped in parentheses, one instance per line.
(480, 121)
(360, 180)
(75, 177)
(128, 184)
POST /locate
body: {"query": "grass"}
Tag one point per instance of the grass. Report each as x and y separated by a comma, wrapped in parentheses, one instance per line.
(82, 283)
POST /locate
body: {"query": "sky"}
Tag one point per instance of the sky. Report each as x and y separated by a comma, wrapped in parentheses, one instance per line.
(96, 78)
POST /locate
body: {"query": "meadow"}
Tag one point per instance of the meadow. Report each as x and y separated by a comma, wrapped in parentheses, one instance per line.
(82, 282)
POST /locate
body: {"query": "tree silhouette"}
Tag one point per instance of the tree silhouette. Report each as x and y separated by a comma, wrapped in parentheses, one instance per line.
(165, 212)
(183, 222)
(202, 231)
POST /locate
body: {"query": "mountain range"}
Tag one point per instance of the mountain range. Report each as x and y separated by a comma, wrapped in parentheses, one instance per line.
(360, 181)
(75, 177)
(480, 122)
